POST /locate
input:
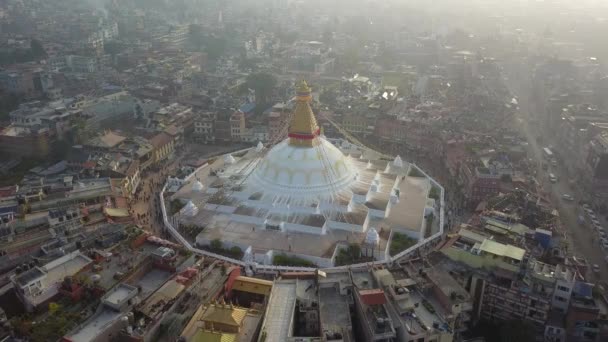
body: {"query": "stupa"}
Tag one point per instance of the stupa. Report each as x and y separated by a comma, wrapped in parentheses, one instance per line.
(306, 194)
(305, 165)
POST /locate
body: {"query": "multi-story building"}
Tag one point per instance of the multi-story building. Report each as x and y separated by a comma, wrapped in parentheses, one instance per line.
(35, 126)
(505, 285)
(204, 127)
(65, 220)
(237, 126)
(371, 307)
(278, 120)
(595, 168)
(478, 182)
(584, 315)
(292, 312)
(81, 64)
(38, 285)
(164, 146)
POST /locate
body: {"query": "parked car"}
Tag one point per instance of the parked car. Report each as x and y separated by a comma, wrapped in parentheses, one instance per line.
(568, 197)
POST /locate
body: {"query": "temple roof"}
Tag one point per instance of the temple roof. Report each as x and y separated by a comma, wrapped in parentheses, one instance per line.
(224, 314)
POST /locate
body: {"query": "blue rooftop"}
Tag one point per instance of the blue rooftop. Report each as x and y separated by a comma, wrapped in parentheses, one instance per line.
(247, 107)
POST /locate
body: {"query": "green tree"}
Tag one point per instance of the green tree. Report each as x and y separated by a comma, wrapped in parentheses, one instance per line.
(216, 244)
(36, 49)
(263, 84)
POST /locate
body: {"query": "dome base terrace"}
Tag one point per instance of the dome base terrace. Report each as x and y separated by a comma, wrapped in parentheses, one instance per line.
(264, 203)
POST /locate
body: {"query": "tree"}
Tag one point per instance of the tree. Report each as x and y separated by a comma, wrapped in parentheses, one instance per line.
(36, 49)
(263, 84)
(216, 244)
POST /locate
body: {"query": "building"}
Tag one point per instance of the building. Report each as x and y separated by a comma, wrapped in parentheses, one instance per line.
(237, 126)
(505, 283)
(106, 320)
(584, 315)
(292, 312)
(223, 322)
(81, 64)
(204, 131)
(371, 307)
(278, 121)
(478, 182)
(596, 168)
(38, 285)
(164, 146)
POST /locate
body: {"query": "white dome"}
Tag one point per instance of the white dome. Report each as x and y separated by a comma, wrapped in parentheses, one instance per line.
(197, 186)
(189, 209)
(229, 159)
(372, 237)
(299, 171)
(398, 162)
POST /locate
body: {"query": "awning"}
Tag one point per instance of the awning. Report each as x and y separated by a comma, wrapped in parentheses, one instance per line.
(116, 212)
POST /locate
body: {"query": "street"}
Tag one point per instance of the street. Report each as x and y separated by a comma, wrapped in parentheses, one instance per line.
(582, 239)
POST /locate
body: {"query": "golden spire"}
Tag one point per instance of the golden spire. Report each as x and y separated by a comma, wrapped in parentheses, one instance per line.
(303, 128)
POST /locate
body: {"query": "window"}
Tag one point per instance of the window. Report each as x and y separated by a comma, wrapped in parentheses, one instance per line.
(560, 299)
(563, 288)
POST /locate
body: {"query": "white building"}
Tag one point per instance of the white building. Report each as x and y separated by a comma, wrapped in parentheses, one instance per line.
(38, 285)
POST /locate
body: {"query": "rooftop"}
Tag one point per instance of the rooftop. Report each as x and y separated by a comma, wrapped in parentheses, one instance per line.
(500, 249)
(280, 309)
(109, 139)
(119, 294)
(95, 326)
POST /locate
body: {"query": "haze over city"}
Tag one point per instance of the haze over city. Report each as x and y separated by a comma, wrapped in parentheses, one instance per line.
(303, 170)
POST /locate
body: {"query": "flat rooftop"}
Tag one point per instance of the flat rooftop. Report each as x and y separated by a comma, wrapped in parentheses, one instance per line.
(334, 311)
(222, 228)
(280, 310)
(95, 325)
(151, 281)
(447, 285)
(408, 213)
(119, 294)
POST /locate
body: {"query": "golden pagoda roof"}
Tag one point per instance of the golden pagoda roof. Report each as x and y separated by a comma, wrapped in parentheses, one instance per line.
(213, 336)
(303, 128)
(224, 314)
